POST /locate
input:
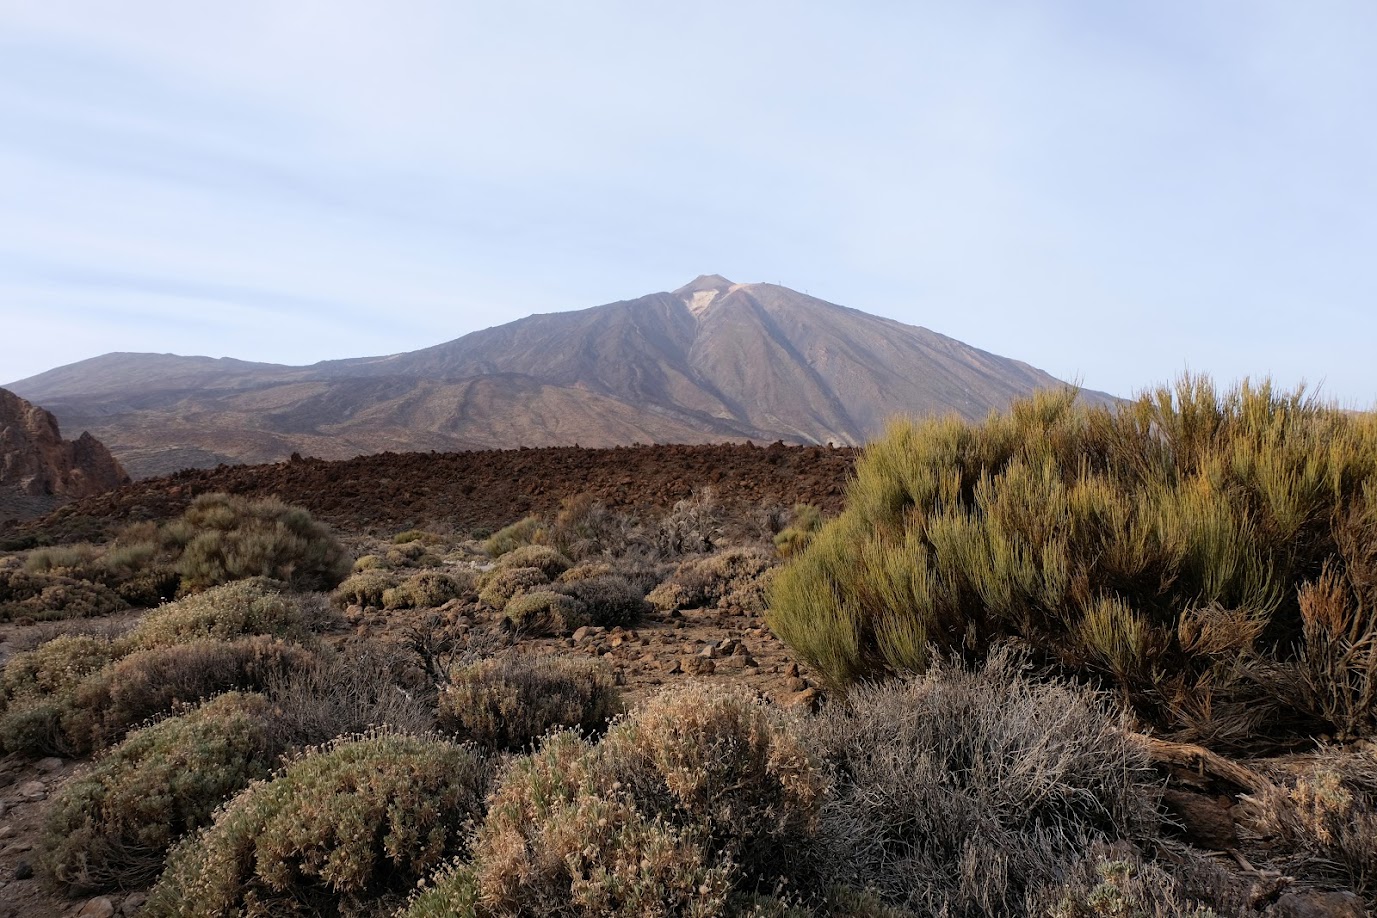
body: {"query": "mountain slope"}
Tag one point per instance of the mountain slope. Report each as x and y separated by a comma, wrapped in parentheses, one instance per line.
(708, 362)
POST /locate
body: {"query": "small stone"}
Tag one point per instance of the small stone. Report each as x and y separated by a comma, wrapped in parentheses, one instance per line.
(133, 902)
(1312, 903)
(99, 907)
(674, 667)
(33, 790)
(709, 652)
(699, 666)
(750, 662)
(48, 765)
(792, 671)
(796, 684)
(740, 650)
(6, 831)
(582, 634)
(23, 870)
(808, 698)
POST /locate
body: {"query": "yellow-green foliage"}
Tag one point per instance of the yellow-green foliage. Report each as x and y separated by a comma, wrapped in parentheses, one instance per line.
(507, 704)
(110, 827)
(234, 537)
(804, 523)
(541, 557)
(544, 612)
(510, 538)
(499, 586)
(427, 590)
(1160, 546)
(337, 828)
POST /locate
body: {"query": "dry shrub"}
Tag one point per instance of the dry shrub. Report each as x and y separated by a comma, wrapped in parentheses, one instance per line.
(346, 692)
(643, 575)
(583, 527)
(1325, 823)
(336, 830)
(737, 577)
(247, 607)
(507, 704)
(111, 826)
(499, 586)
(720, 762)
(52, 596)
(607, 601)
(38, 687)
(510, 538)
(1114, 882)
(692, 527)
(150, 682)
(235, 537)
(559, 841)
(544, 612)
(541, 557)
(961, 792)
(366, 588)
(410, 555)
(428, 590)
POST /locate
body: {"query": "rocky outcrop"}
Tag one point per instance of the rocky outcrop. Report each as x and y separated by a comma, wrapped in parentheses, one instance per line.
(39, 470)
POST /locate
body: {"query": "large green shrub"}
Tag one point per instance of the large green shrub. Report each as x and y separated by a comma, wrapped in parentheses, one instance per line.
(110, 826)
(1160, 547)
(257, 605)
(232, 538)
(338, 828)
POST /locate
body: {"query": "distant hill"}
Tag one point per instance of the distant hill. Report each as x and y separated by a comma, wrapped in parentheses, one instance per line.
(712, 361)
(40, 471)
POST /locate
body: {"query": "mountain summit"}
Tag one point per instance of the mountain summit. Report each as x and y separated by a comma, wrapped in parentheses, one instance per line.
(711, 361)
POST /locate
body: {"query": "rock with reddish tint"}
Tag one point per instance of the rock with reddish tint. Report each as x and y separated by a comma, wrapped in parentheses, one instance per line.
(100, 907)
(1314, 903)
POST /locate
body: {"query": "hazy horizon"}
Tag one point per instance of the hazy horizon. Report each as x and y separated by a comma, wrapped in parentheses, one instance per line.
(1112, 195)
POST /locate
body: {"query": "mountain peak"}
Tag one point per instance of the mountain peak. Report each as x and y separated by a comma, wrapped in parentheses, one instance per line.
(705, 282)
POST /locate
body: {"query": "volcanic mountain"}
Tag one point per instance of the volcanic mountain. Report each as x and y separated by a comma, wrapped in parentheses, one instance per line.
(712, 361)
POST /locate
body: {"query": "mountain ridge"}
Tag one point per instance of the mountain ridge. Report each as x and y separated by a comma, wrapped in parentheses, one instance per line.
(710, 361)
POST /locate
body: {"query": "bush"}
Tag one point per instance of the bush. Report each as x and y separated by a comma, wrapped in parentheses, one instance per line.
(1160, 548)
(366, 588)
(607, 601)
(499, 586)
(507, 704)
(692, 527)
(427, 590)
(541, 557)
(962, 792)
(558, 841)
(737, 577)
(48, 597)
(545, 612)
(236, 538)
(804, 523)
(38, 687)
(111, 826)
(510, 538)
(719, 762)
(149, 682)
(247, 607)
(338, 828)
(1113, 883)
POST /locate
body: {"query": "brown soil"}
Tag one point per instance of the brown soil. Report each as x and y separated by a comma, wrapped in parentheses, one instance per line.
(461, 492)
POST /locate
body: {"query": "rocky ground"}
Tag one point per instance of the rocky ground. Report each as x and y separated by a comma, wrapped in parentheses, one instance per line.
(461, 492)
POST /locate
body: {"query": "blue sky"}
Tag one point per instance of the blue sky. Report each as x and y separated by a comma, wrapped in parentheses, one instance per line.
(1112, 192)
